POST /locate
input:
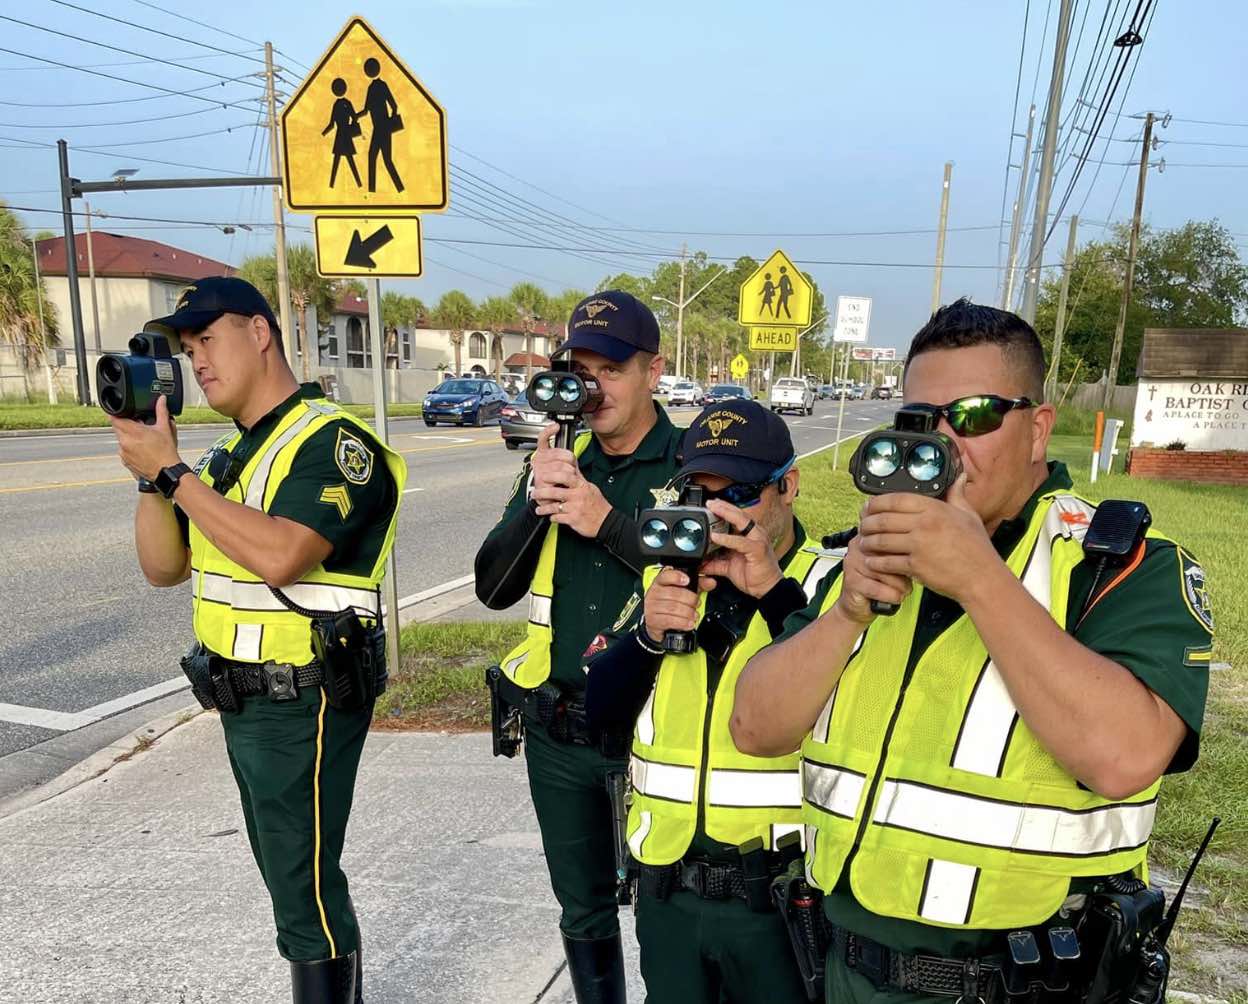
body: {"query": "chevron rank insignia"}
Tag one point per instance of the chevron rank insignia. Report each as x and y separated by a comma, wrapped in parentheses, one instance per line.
(339, 497)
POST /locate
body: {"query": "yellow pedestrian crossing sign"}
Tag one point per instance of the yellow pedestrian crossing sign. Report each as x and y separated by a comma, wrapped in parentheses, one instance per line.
(368, 245)
(363, 133)
(739, 367)
(777, 294)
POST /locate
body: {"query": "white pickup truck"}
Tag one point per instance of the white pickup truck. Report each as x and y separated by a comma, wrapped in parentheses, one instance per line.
(792, 394)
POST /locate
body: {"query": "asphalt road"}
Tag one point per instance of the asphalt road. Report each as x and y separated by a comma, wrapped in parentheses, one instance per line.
(85, 637)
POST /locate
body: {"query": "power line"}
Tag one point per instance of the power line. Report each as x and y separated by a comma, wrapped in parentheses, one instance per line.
(94, 104)
(210, 27)
(110, 76)
(157, 31)
(128, 52)
(1229, 125)
(120, 62)
(101, 151)
(740, 233)
(143, 121)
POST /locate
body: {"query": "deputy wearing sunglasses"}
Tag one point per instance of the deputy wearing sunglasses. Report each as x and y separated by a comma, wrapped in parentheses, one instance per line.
(696, 800)
(976, 764)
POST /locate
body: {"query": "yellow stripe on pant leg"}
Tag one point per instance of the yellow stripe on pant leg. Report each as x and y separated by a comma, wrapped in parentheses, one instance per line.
(316, 811)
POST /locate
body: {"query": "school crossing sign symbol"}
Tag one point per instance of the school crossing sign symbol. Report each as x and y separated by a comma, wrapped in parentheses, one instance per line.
(362, 133)
(776, 295)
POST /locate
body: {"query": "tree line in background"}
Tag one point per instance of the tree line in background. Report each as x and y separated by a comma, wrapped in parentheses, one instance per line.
(1186, 277)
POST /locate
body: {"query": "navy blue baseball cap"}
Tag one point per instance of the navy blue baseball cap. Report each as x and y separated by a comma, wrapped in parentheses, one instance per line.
(614, 324)
(203, 301)
(739, 440)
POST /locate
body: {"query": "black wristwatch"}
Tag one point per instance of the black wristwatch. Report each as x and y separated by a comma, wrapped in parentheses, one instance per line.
(166, 482)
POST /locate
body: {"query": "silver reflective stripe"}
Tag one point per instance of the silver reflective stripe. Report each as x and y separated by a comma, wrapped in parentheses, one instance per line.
(645, 721)
(639, 835)
(755, 789)
(662, 780)
(257, 596)
(247, 639)
(823, 724)
(539, 609)
(821, 567)
(812, 836)
(511, 665)
(260, 476)
(1031, 829)
(990, 716)
(832, 789)
(948, 891)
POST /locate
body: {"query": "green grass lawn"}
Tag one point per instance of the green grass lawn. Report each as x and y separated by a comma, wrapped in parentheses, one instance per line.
(15, 415)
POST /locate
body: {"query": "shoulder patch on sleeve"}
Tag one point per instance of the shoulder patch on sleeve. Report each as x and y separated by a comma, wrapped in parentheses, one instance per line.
(354, 459)
(1195, 589)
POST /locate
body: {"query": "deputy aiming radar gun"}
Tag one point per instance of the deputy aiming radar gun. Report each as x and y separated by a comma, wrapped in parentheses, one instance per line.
(130, 383)
(680, 536)
(910, 457)
(564, 396)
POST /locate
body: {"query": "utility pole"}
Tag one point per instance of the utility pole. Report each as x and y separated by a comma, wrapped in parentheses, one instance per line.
(377, 344)
(95, 304)
(1016, 220)
(279, 218)
(1031, 278)
(940, 236)
(43, 331)
(1112, 377)
(71, 274)
(680, 316)
(1059, 325)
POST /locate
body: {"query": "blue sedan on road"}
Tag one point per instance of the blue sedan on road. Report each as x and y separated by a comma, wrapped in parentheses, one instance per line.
(464, 402)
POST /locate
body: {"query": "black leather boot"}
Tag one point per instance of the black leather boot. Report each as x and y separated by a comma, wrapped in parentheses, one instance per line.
(597, 969)
(331, 981)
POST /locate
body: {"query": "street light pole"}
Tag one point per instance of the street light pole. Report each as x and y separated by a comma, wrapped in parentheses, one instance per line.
(680, 308)
(95, 303)
(71, 273)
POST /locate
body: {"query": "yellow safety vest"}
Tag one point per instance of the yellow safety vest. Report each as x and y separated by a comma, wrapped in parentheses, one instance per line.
(680, 758)
(236, 615)
(961, 818)
(528, 664)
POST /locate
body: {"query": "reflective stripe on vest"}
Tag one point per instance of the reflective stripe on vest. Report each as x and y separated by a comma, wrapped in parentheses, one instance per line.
(959, 816)
(528, 664)
(743, 796)
(236, 614)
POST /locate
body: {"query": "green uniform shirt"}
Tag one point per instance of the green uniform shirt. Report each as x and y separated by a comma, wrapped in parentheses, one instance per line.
(339, 455)
(591, 584)
(1153, 624)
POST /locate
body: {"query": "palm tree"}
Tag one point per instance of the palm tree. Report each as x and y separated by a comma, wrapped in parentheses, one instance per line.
(26, 322)
(455, 312)
(496, 313)
(398, 311)
(308, 288)
(532, 303)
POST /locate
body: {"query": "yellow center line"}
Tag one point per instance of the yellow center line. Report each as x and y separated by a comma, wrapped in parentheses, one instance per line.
(65, 484)
(452, 446)
(59, 460)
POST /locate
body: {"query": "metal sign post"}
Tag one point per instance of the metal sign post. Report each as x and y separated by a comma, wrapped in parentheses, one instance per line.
(377, 342)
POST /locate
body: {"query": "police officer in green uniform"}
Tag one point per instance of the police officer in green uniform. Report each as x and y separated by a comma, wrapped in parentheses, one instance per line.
(977, 764)
(290, 515)
(568, 536)
(705, 819)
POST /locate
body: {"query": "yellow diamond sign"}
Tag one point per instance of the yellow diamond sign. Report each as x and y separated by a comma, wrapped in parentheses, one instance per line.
(368, 245)
(777, 294)
(363, 133)
(740, 367)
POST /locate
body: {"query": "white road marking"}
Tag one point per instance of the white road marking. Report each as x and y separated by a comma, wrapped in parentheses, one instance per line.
(432, 591)
(128, 701)
(828, 446)
(66, 721)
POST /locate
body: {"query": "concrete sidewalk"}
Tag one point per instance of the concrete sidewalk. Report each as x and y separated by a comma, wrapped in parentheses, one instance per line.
(138, 885)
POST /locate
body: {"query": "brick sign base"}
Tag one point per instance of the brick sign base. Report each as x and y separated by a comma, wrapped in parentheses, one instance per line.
(1216, 467)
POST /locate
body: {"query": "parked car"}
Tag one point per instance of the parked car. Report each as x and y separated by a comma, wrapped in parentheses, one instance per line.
(464, 402)
(666, 382)
(725, 392)
(827, 391)
(858, 391)
(882, 393)
(685, 392)
(792, 394)
(519, 424)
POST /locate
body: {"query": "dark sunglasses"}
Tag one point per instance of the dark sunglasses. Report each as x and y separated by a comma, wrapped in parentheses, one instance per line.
(978, 414)
(747, 493)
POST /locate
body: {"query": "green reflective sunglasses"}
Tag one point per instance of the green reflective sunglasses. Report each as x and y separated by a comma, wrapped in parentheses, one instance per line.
(979, 414)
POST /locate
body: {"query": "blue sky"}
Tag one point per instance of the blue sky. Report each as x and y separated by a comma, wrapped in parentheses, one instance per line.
(774, 120)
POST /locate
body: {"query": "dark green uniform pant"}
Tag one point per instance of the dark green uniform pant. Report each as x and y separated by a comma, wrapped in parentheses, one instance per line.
(569, 787)
(295, 764)
(699, 951)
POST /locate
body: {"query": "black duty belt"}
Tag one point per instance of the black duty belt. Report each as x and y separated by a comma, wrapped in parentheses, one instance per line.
(969, 980)
(702, 878)
(222, 684)
(251, 679)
